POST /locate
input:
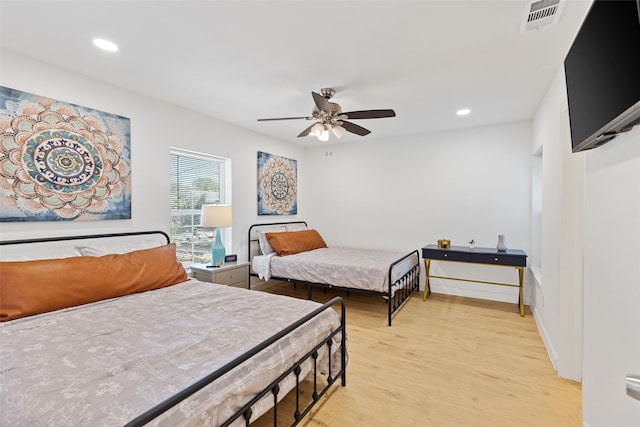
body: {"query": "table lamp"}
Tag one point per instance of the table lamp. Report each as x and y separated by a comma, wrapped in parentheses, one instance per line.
(216, 216)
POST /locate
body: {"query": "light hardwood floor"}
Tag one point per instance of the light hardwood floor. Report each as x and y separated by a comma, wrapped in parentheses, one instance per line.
(449, 361)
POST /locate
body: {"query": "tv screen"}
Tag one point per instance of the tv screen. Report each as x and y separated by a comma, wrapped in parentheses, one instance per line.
(602, 71)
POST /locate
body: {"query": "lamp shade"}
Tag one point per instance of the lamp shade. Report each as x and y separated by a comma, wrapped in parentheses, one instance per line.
(338, 131)
(324, 136)
(217, 216)
(316, 129)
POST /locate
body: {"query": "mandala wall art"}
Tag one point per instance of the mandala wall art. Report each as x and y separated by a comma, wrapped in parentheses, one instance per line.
(60, 161)
(277, 185)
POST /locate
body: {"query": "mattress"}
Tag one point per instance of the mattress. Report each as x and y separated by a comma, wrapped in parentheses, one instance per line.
(364, 269)
(104, 363)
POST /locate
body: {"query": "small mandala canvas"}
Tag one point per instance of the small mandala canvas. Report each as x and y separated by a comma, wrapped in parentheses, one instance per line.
(61, 162)
(277, 185)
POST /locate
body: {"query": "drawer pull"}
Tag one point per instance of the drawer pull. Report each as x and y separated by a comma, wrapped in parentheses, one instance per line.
(496, 259)
(446, 255)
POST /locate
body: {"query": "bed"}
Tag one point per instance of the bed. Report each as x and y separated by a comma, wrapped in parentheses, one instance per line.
(293, 252)
(180, 353)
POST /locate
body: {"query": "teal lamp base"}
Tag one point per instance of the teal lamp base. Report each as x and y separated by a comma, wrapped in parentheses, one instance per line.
(217, 251)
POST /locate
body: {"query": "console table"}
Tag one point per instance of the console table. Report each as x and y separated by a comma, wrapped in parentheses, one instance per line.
(514, 258)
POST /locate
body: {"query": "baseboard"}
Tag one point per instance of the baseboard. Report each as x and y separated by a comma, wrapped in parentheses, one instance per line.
(548, 344)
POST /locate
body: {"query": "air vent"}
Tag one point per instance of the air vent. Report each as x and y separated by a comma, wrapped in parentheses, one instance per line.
(540, 13)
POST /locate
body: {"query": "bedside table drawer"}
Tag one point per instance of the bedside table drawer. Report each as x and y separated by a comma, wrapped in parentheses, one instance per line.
(203, 276)
(499, 259)
(445, 255)
(232, 276)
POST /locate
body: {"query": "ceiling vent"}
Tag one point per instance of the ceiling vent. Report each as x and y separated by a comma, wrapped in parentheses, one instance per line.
(541, 13)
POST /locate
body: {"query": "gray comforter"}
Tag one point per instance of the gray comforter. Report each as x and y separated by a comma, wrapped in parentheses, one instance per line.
(104, 363)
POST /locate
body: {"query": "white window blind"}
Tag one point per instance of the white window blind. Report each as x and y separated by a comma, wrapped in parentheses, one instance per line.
(196, 179)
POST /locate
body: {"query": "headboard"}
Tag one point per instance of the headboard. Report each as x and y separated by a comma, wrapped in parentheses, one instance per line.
(254, 246)
(64, 246)
(54, 273)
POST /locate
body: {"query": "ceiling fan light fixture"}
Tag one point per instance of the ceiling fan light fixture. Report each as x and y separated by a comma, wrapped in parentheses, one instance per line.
(338, 131)
(329, 116)
(324, 136)
(316, 130)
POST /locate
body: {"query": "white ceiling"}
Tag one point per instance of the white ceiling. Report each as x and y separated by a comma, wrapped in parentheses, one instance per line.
(240, 61)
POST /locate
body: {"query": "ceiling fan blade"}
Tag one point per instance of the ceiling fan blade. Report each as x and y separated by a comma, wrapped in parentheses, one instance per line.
(354, 128)
(282, 118)
(369, 114)
(307, 131)
(321, 102)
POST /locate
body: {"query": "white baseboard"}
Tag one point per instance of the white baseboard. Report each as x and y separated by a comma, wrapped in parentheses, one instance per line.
(548, 344)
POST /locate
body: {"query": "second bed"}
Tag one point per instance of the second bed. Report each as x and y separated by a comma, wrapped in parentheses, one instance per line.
(393, 275)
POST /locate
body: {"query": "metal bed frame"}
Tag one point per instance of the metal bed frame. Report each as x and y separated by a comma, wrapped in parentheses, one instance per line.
(273, 388)
(404, 285)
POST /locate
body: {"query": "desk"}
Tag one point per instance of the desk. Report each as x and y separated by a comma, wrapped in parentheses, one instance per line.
(514, 258)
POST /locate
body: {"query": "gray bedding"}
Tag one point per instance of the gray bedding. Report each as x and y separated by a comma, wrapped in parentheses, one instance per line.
(365, 269)
(104, 363)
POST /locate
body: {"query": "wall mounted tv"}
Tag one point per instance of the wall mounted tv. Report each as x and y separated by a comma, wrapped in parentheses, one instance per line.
(602, 71)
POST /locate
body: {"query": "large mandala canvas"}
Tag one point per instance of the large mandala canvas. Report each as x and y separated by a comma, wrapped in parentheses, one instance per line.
(60, 161)
(277, 185)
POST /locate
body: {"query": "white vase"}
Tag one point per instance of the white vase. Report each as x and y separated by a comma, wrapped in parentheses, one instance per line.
(501, 246)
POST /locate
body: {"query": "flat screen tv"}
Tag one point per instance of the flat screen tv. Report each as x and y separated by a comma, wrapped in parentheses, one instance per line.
(602, 71)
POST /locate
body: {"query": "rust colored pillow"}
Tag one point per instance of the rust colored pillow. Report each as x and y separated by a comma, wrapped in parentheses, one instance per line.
(33, 287)
(293, 242)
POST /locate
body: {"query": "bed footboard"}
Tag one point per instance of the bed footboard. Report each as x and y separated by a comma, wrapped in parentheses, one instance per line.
(333, 373)
(401, 289)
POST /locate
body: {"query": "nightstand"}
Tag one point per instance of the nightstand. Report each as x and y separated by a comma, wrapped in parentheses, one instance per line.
(231, 273)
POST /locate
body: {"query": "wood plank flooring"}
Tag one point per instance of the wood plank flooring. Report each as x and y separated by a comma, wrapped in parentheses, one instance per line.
(449, 361)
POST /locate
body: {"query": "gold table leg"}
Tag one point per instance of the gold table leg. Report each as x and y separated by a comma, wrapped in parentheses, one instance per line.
(427, 288)
(520, 294)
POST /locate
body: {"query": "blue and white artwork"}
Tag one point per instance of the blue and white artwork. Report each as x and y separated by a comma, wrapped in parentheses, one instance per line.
(61, 162)
(277, 185)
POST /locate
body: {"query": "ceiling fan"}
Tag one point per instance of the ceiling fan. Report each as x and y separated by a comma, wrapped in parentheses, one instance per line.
(330, 116)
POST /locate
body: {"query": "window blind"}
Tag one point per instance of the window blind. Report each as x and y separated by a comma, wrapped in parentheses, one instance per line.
(196, 179)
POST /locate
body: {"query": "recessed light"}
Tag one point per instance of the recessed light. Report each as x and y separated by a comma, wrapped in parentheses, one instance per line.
(105, 45)
(463, 112)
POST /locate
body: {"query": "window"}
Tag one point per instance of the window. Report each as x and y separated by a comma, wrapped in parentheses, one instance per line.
(535, 262)
(196, 179)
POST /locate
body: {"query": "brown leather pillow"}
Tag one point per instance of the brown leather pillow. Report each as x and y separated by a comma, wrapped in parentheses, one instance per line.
(293, 242)
(33, 287)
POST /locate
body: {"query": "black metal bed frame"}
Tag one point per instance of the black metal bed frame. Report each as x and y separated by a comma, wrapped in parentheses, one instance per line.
(273, 388)
(404, 286)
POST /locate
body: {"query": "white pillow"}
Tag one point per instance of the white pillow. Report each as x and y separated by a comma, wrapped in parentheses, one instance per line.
(265, 247)
(32, 257)
(116, 249)
(88, 251)
(295, 227)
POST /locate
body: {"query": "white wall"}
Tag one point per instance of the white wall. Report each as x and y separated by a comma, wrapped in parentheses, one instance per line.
(155, 127)
(400, 194)
(586, 305)
(410, 192)
(612, 282)
(557, 301)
